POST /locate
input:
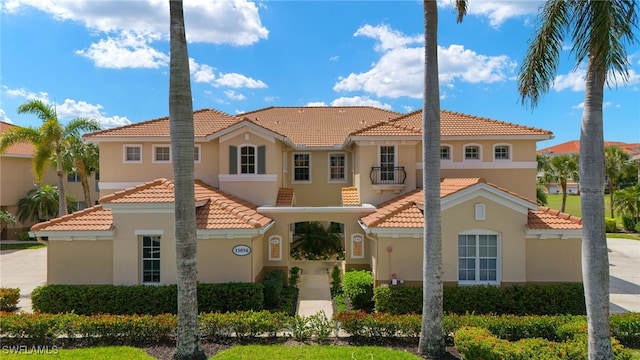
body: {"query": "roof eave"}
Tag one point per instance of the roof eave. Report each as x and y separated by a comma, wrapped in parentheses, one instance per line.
(92, 235)
(553, 233)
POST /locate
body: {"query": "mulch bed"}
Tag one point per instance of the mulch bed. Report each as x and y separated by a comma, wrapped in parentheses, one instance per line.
(165, 351)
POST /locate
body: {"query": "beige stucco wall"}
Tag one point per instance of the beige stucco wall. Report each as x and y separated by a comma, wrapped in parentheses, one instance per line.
(519, 181)
(79, 262)
(554, 260)
(217, 263)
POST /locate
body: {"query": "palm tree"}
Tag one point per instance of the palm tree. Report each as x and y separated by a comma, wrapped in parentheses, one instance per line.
(182, 143)
(600, 31)
(6, 218)
(432, 331)
(560, 169)
(616, 167)
(627, 202)
(48, 141)
(83, 159)
(314, 240)
(41, 204)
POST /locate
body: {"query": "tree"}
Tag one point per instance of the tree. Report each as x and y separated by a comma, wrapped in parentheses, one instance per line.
(616, 168)
(182, 144)
(314, 240)
(432, 331)
(559, 169)
(48, 141)
(83, 159)
(600, 31)
(42, 204)
(627, 202)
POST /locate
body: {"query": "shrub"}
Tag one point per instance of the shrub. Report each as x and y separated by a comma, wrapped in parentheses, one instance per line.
(610, 225)
(289, 300)
(530, 299)
(357, 285)
(294, 276)
(629, 222)
(336, 280)
(9, 299)
(141, 299)
(626, 328)
(638, 227)
(273, 284)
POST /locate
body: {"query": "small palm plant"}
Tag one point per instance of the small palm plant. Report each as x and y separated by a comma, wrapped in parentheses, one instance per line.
(313, 241)
(41, 204)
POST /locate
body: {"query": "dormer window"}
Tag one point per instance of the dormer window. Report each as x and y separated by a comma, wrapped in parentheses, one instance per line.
(248, 160)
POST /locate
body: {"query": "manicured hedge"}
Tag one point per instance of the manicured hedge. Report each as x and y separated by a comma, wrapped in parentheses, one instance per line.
(357, 285)
(553, 299)
(141, 299)
(9, 298)
(273, 284)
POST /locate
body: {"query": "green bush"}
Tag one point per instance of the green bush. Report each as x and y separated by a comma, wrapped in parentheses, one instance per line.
(141, 299)
(9, 298)
(638, 227)
(294, 276)
(626, 329)
(336, 280)
(273, 284)
(530, 299)
(629, 222)
(610, 225)
(357, 286)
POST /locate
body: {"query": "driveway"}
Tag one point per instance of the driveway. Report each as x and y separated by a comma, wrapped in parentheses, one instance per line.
(27, 269)
(24, 269)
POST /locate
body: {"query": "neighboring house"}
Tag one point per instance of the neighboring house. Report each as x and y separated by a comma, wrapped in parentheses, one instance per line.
(16, 179)
(358, 169)
(573, 147)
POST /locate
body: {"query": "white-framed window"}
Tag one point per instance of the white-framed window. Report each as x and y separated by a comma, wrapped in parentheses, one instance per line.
(502, 152)
(480, 210)
(387, 163)
(150, 260)
(472, 152)
(73, 177)
(357, 246)
(479, 258)
(196, 153)
(132, 153)
(445, 152)
(161, 153)
(337, 167)
(97, 178)
(275, 248)
(302, 167)
(247, 159)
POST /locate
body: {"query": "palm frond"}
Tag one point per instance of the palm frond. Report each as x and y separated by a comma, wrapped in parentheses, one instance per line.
(18, 135)
(461, 6)
(38, 108)
(78, 126)
(540, 64)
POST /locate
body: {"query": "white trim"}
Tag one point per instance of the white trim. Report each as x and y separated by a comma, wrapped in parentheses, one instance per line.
(199, 147)
(509, 151)
(553, 234)
(141, 208)
(75, 235)
(229, 133)
(19, 156)
(141, 258)
(118, 185)
(490, 193)
(247, 177)
(480, 212)
(364, 208)
(354, 238)
(336, 181)
(293, 168)
(497, 137)
(149, 232)
(498, 257)
(227, 234)
(124, 154)
(464, 152)
(275, 239)
(154, 160)
(476, 164)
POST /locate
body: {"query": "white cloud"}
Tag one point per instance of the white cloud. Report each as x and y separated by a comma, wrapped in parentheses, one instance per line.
(4, 117)
(334, 58)
(605, 105)
(575, 80)
(201, 72)
(360, 101)
(235, 80)
(316, 103)
(400, 70)
(235, 22)
(234, 95)
(499, 11)
(128, 50)
(270, 99)
(70, 109)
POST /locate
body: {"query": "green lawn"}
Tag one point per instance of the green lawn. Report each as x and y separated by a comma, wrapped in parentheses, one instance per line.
(21, 246)
(93, 353)
(311, 352)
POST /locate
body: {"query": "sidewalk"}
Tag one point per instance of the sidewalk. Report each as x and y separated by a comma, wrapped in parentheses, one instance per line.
(624, 275)
(315, 290)
(24, 269)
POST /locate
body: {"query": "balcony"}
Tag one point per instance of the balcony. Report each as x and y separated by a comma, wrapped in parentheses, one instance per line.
(387, 178)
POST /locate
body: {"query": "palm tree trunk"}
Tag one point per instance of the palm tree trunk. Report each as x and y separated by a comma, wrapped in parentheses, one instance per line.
(563, 186)
(595, 260)
(85, 183)
(182, 143)
(431, 342)
(62, 195)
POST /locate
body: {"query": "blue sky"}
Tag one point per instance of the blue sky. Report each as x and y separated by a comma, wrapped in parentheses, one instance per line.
(108, 60)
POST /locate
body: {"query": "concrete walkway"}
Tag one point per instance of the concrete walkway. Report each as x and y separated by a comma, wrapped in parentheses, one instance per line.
(624, 275)
(24, 269)
(315, 290)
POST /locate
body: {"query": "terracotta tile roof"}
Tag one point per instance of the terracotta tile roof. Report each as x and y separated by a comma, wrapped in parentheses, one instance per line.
(451, 124)
(23, 149)
(286, 197)
(350, 196)
(548, 219)
(220, 210)
(318, 126)
(95, 218)
(205, 121)
(573, 147)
